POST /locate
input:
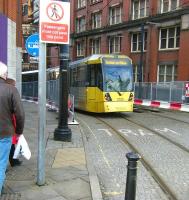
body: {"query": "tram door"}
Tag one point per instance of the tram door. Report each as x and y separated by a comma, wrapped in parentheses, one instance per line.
(91, 87)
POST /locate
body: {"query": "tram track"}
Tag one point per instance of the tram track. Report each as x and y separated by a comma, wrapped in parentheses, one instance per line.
(157, 133)
(156, 113)
(169, 191)
(162, 181)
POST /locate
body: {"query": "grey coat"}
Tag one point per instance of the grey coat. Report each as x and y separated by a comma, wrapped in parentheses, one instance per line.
(10, 104)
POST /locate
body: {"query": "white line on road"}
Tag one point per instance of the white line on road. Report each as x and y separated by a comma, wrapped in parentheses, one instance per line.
(106, 130)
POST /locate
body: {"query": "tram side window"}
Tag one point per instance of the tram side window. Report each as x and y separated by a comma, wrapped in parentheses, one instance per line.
(91, 75)
(94, 76)
(74, 77)
(81, 76)
(99, 77)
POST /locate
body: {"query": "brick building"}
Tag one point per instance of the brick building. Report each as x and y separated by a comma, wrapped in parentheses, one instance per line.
(116, 26)
(10, 37)
(29, 63)
(30, 26)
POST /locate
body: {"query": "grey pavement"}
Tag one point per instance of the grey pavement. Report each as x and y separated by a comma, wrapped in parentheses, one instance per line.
(69, 174)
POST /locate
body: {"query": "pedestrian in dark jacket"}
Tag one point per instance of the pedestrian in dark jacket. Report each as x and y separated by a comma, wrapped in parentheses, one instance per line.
(13, 161)
(10, 104)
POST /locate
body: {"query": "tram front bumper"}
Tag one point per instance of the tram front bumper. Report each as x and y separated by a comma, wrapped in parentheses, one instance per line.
(118, 106)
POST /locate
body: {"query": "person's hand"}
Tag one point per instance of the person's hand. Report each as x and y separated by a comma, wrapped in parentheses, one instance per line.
(18, 135)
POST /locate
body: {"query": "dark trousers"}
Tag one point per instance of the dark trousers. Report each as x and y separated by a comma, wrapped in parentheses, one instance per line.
(11, 160)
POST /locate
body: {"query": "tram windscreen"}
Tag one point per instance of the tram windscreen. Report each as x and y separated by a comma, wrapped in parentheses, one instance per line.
(117, 78)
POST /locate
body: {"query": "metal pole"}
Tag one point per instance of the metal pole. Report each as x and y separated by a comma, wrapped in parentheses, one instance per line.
(141, 60)
(62, 132)
(151, 91)
(170, 91)
(133, 158)
(42, 114)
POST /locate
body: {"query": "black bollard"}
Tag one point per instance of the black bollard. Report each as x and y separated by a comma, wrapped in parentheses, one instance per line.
(130, 193)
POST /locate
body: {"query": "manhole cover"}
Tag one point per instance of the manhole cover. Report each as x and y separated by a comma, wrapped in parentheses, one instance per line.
(13, 196)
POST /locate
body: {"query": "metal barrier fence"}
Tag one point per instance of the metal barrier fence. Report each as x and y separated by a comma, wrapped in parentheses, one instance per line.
(53, 91)
(169, 91)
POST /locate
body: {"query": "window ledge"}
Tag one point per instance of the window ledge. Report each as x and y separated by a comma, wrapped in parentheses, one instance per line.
(96, 2)
(171, 49)
(81, 8)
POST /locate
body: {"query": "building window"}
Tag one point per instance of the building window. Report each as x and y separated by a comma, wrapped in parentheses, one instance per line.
(115, 44)
(81, 3)
(136, 73)
(169, 38)
(96, 20)
(167, 73)
(140, 9)
(80, 24)
(25, 58)
(24, 9)
(169, 5)
(80, 49)
(95, 46)
(115, 15)
(136, 42)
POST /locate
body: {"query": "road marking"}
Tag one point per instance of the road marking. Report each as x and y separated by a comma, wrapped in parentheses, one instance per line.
(125, 131)
(142, 133)
(128, 132)
(101, 150)
(166, 130)
(106, 130)
(98, 144)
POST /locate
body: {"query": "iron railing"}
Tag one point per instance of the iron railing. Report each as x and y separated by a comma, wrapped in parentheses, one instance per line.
(168, 92)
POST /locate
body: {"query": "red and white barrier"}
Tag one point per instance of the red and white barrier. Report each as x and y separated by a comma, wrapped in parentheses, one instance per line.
(53, 107)
(162, 104)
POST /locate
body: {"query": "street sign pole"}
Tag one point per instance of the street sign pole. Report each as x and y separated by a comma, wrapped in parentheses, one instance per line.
(42, 114)
(54, 27)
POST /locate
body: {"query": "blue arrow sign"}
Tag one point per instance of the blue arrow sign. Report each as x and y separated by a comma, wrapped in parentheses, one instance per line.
(32, 45)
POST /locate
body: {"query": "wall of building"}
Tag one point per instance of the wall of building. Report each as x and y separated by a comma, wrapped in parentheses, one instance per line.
(3, 38)
(153, 56)
(10, 20)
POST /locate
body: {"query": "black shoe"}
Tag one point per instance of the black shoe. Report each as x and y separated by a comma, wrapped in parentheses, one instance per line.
(15, 162)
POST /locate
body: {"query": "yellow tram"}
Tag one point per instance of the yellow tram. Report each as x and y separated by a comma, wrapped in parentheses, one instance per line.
(102, 83)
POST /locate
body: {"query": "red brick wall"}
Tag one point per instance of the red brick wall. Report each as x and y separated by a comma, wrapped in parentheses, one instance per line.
(152, 57)
(9, 8)
(183, 58)
(13, 11)
(53, 57)
(184, 3)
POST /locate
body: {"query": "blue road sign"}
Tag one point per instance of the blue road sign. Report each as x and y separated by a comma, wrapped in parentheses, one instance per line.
(32, 45)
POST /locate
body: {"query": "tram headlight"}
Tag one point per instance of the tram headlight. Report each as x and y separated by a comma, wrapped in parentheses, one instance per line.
(108, 97)
(131, 97)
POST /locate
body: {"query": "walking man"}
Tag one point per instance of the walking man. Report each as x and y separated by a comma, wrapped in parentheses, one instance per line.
(10, 104)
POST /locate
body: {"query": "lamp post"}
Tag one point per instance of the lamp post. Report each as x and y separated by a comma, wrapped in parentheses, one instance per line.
(141, 60)
(63, 132)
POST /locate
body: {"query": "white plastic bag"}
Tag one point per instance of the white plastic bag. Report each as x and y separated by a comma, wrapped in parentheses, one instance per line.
(22, 148)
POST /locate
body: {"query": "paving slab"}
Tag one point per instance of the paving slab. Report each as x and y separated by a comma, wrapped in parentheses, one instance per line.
(66, 170)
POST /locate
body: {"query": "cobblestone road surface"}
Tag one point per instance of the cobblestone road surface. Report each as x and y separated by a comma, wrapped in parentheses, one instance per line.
(108, 155)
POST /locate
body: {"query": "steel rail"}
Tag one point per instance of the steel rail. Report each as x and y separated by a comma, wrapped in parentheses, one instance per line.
(157, 133)
(156, 113)
(168, 191)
